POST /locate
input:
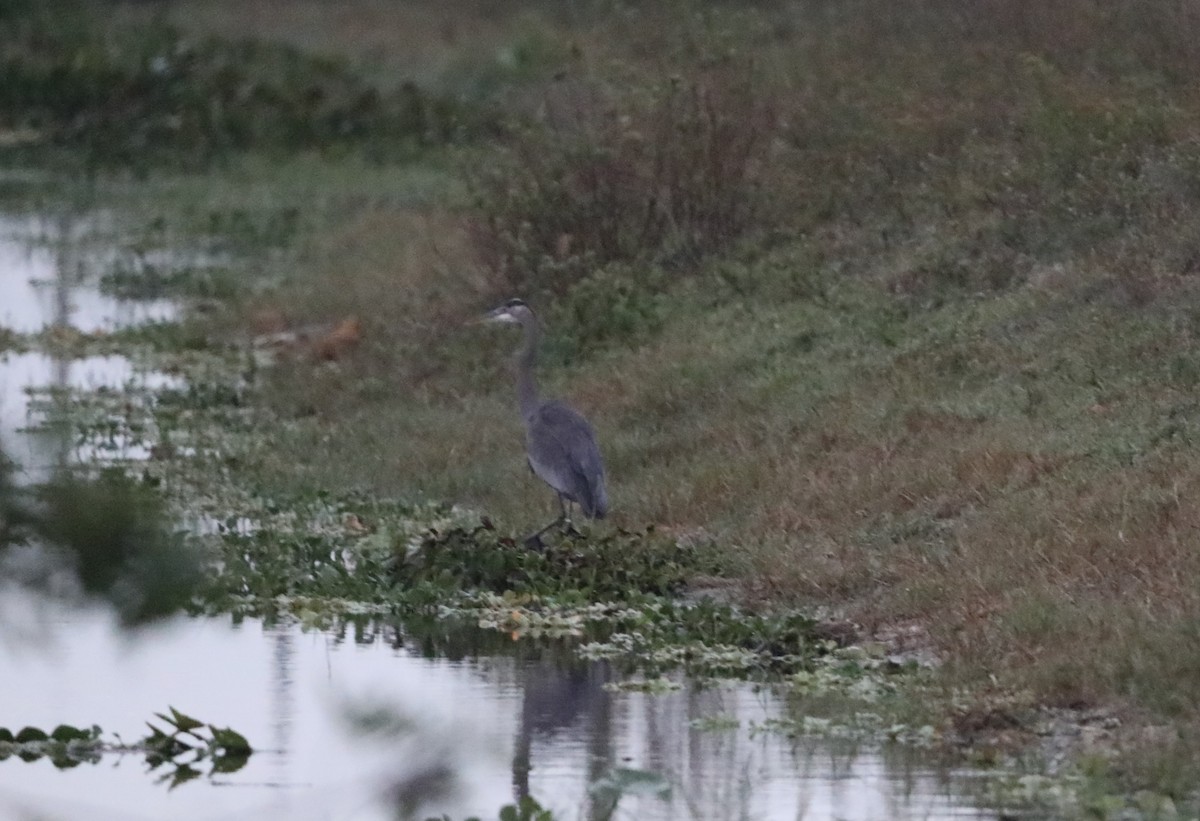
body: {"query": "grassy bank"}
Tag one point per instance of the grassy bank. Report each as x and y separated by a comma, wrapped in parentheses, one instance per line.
(890, 304)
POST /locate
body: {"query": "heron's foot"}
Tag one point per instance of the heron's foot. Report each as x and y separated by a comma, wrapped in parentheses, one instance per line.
(569, 529)
(534, 542)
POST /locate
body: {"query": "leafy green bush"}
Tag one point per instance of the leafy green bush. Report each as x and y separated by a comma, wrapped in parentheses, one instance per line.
(154, 94)
(616, 303)
(115, 531)
(666, 173)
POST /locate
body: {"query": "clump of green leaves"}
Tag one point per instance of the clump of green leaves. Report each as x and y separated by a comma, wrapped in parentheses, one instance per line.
(65, 746)
(185, 743)
(188, 741)
(613, 566)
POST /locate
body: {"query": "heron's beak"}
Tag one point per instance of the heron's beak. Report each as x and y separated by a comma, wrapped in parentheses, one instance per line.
(500, 314)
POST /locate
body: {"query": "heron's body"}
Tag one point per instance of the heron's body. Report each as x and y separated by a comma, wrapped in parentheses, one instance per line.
(563, 454)
(559, 442)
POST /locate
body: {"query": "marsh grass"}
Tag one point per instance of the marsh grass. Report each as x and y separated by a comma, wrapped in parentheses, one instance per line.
(952, 387)
(961, 399)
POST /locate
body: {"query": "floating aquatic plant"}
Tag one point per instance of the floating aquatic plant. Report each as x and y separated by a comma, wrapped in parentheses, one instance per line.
(177, 750)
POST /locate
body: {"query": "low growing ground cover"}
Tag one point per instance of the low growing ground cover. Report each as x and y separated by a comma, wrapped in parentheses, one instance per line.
(883, 309)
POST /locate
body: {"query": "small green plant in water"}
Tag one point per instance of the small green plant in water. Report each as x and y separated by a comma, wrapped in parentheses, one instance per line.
(66, 746)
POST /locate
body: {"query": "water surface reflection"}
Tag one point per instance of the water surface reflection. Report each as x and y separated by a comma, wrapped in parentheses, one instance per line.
(49, 277)
(50, 273)
(30, 436)
(457, 727)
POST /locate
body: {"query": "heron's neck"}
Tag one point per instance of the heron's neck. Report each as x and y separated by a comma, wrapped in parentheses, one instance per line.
(527, 389)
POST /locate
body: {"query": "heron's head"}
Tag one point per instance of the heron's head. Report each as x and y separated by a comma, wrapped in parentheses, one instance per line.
(513, 312)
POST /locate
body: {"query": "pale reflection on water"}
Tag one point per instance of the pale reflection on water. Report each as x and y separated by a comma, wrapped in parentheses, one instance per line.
(31, 440)
(49, 272)
(49, 276)
(493, 725)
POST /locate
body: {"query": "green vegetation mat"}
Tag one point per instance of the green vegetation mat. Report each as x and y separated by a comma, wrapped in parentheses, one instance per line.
(884, 313)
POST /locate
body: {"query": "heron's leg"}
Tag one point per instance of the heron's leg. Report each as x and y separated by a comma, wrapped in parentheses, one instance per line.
(568, 525)
(534, 540)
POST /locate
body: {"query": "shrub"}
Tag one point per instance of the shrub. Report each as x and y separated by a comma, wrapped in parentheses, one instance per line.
(154, 94)
(667, 174)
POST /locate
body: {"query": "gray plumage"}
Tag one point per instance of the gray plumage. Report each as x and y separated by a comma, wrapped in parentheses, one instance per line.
(560, 444)
(563, 453)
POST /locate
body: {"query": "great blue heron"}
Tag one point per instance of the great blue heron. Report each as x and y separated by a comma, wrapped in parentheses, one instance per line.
(559, 442)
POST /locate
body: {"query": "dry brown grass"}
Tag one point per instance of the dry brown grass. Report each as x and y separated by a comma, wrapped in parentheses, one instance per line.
(958, 391)
(406, 275)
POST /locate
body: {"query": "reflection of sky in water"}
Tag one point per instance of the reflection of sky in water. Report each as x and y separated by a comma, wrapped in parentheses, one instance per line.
(37, 451)
(282, 689)
(32, 295)
(29, 276)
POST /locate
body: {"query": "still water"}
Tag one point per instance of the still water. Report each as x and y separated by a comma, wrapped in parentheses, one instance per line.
(476, 723)
(50, 272)
(36, 447)
(49, 276)
(466, 721)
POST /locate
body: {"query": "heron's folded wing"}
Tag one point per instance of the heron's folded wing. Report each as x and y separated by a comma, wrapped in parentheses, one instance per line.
(563, 451)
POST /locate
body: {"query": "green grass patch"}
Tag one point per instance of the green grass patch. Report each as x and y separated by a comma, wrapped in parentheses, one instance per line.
(923, 354)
